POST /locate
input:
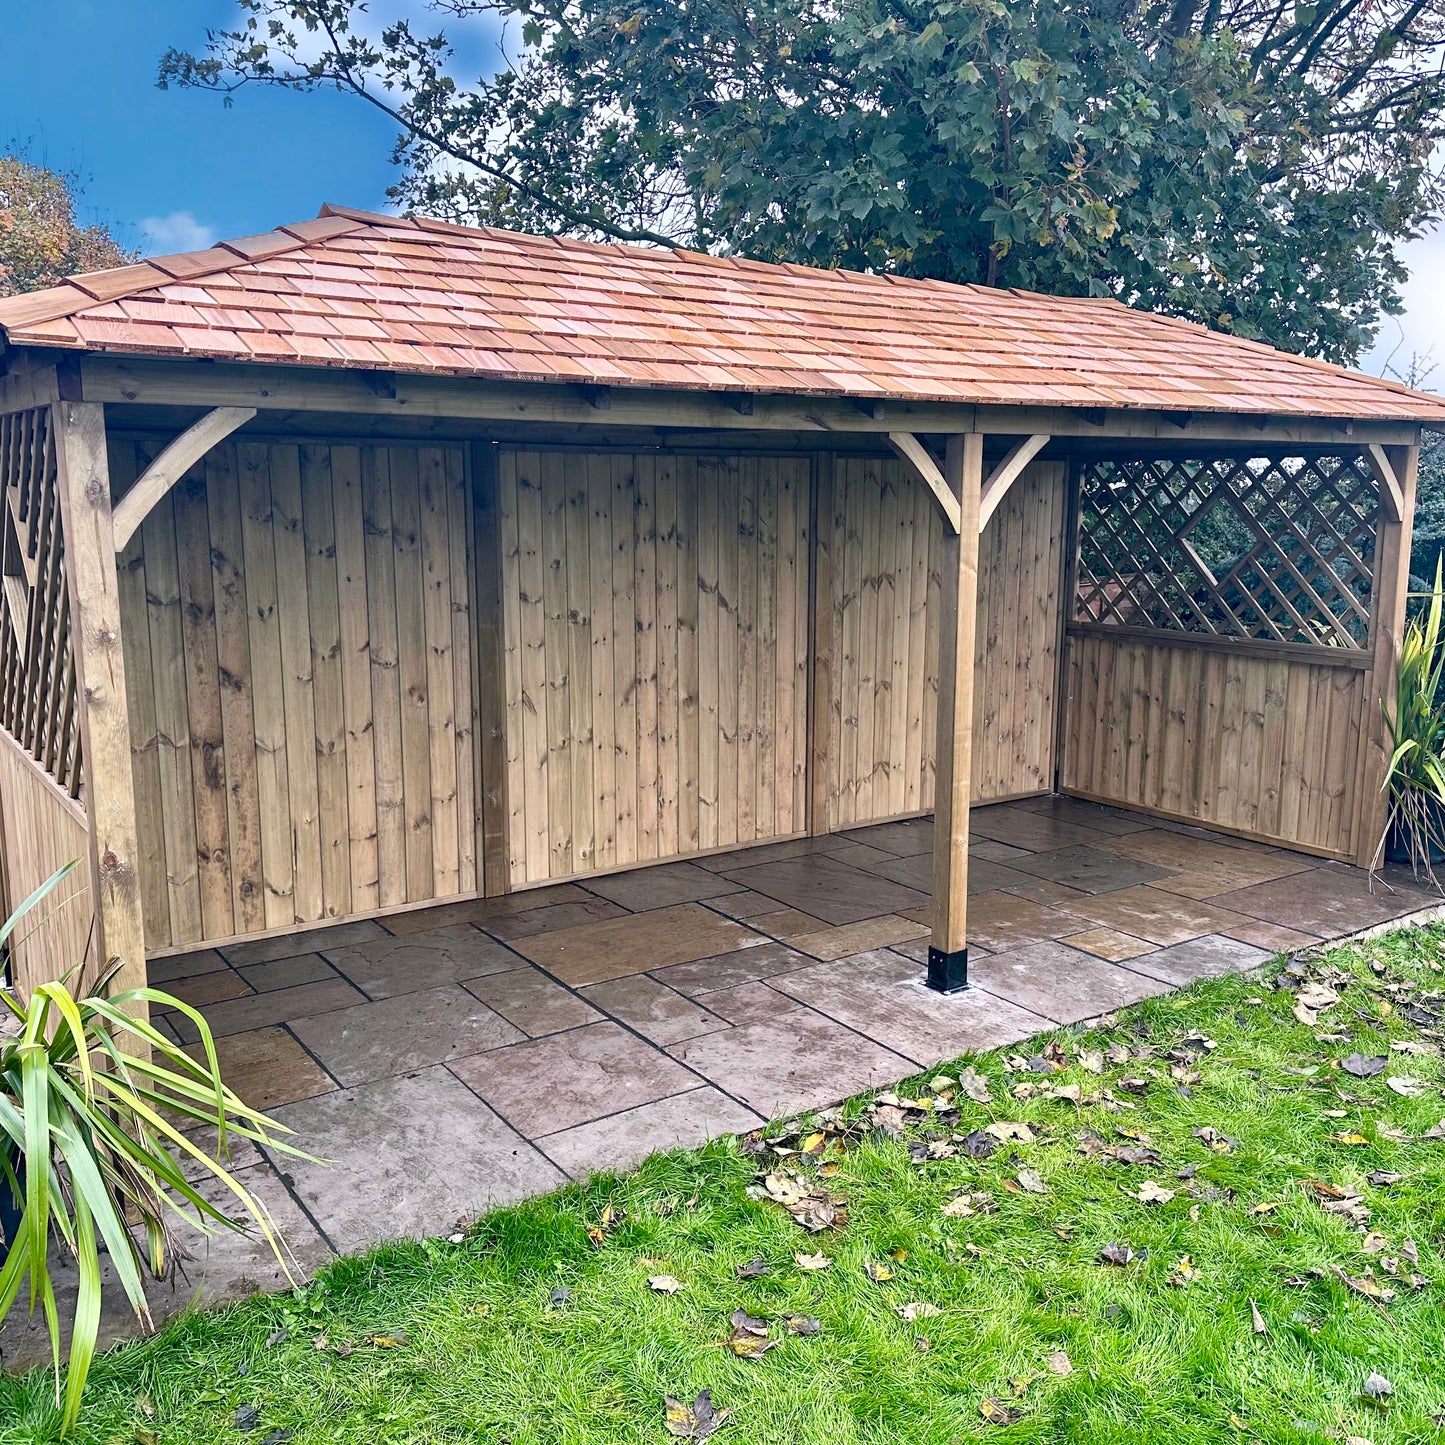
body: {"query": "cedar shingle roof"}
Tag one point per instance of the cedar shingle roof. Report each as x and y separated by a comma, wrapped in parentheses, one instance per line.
(352, 289)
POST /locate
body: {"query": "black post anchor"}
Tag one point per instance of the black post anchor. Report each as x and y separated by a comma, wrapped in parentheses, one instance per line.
(947, 972)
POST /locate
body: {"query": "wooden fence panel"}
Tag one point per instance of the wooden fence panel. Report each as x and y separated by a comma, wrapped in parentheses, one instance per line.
(41, 830)
(655, 637)
(297, 634)
(1263, 744)
(885, 553)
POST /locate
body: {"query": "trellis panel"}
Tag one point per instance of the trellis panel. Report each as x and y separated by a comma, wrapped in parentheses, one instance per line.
(296, 620)
(37, 670)
(885, 550)
(1274, 549)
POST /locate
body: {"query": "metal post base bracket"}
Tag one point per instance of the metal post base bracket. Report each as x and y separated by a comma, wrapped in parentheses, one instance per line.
(947, 972)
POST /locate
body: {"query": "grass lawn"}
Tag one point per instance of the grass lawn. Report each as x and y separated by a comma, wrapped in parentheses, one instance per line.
(1292, 1251)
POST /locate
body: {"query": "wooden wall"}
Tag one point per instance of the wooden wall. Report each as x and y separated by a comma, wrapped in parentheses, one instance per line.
(655, 646)
(42, 828)
(884, 552)
(298, 647)
(1264, 743)
(305, 658)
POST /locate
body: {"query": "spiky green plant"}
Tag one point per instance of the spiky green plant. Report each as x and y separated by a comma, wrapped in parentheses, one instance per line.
(100, 1133)
(1415, 775)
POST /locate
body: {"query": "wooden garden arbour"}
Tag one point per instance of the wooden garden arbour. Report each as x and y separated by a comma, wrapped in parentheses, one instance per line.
(146, 461)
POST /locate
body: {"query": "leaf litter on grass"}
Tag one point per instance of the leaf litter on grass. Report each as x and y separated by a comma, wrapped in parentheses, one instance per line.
(942, 1163)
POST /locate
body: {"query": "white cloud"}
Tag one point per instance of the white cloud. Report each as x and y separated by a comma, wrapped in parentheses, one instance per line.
(179, 231)
(1420, 332)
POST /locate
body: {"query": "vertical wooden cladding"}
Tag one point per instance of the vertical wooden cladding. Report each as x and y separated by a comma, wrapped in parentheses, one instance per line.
(883, 540)
(655, 648)
(42, 829)
(298, 650)
(1264, 745)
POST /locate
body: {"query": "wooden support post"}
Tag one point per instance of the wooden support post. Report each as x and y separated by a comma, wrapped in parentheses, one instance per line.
(948, 949)
(491, 682)
(820, 645)
(83, 482)
(1387, 627)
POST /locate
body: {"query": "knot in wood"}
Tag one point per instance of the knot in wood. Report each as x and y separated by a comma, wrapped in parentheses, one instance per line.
(116, 870)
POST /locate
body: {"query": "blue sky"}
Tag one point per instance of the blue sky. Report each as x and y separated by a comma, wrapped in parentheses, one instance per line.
(172, 170)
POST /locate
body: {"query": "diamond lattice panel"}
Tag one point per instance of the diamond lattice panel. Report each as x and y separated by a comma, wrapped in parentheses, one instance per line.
(1280, 549)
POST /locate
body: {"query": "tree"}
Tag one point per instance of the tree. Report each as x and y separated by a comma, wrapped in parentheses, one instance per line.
(1244, 163)
(41, 242)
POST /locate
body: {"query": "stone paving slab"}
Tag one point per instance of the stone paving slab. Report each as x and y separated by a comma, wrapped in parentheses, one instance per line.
(268, 1067)
(659, 887)
(410, 1031)
(1211, 956)
(533, 1002)
(626, 1139)
(550, 1084)
(796, 1060)
(659, 1013)
(639, 943)
(728, 970)
(405, 1157)
(1061, 983)
(828, 889)
(385, 967)
(884, 997)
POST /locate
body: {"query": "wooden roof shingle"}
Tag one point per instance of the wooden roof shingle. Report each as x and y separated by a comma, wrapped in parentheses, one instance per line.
(354, 289)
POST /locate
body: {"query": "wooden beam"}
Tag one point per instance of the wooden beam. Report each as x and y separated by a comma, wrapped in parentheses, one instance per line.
(153, 381)
(821, 646)
(21, 390)
(948, 948)
(171, 465)
(1392, 495)
(1006, 473)
(921, 460)
(83, 483)
(491, 672)
(1387, 629)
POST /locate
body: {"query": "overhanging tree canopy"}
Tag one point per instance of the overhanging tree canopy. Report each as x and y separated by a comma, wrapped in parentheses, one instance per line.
(1246, 163)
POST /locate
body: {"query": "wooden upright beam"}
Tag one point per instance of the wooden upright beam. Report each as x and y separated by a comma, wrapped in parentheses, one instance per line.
(83, 482)
(1387, 628)
(948, 948)
(490, 655)
(171, 465)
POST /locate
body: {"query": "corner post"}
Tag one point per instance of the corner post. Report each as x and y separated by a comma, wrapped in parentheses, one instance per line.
(948, 947)
(1387, 630)
(83, 482)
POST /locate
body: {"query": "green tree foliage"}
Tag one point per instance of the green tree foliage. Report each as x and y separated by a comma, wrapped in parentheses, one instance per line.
(41, 242)
(1244, 163)
(1428, 542)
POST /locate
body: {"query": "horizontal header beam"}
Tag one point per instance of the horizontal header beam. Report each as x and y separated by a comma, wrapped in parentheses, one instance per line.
(146, 380)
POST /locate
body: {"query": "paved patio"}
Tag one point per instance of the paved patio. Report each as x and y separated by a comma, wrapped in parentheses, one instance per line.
(475, 1053)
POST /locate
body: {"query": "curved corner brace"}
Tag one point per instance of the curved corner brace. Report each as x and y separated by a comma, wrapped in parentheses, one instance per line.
(918, 457)
(1391, 493)
(171, 465)
(1005, 474)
